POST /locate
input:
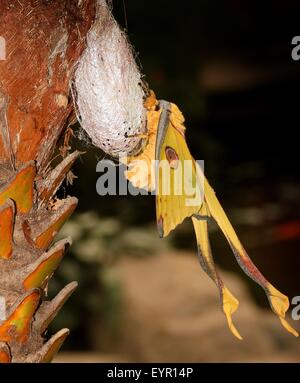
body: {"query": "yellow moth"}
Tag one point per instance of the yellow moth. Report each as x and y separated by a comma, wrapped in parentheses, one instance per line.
(165, 142)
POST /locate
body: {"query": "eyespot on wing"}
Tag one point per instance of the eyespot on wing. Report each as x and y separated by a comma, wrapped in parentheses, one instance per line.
(172, 157)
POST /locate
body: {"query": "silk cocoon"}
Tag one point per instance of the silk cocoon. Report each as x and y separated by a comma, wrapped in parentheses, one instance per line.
(109, 91)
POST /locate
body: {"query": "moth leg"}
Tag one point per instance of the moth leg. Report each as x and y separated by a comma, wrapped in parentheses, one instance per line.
(138, 135)
(228, 301)
(278, 301)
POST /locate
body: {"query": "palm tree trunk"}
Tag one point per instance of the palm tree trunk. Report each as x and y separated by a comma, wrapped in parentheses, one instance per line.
(43, 41)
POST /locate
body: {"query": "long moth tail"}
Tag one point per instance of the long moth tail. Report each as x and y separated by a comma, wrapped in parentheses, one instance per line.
(278, 301)
(228, 301)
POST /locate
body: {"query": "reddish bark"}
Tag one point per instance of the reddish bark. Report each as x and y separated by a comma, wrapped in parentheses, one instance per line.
(44, 40)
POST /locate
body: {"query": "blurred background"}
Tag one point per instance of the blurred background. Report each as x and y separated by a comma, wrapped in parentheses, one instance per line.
(227, 64)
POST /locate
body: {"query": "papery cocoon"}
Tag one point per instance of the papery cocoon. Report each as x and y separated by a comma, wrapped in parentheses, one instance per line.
(109, 91)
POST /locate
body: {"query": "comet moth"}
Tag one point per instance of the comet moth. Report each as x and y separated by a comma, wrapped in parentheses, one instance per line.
(165, 143)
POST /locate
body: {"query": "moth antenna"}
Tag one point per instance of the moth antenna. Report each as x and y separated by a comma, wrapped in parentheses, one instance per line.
(73, 90)
(125, 16)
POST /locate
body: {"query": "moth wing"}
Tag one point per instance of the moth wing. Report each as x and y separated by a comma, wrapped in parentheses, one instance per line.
(178, 194)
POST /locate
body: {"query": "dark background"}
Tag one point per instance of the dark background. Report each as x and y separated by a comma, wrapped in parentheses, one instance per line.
(227, 64)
